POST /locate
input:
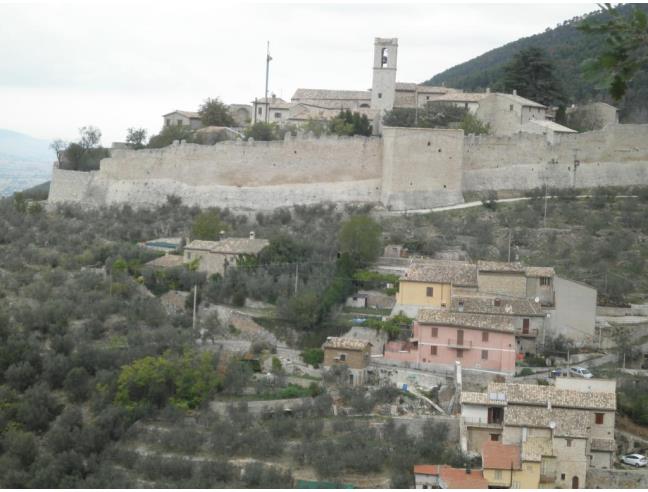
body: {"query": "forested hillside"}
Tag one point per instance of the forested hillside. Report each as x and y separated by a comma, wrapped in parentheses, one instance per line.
(568, 48)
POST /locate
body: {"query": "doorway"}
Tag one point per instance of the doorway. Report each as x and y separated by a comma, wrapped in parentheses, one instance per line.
(574, 483)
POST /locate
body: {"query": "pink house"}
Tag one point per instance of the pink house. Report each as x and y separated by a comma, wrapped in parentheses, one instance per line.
(440, 338)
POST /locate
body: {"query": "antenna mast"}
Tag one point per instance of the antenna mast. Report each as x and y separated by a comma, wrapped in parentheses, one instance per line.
(267, 104)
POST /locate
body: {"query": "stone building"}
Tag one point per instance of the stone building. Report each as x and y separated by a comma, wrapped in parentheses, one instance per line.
(441, 338)
(550, 129)
(592, 116)
(507, 113)
(276, 108)
(507, 467)
(215, 256)
(183, 118)
(242, 114)
(568, 429)
(352, 353)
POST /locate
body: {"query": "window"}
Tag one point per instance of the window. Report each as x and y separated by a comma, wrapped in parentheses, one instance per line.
(484, 336)
(599, 418)
(433, 350)
(429, 291)
(459, 353)
(461, 306)
(260, 110)
(498, 474)
(484, 354)
(427, 98)
(562, 476)
(511, 107)
(342, 357)
(525, 326)
(494, 437)
(545, 280)
(434, 332)
(380, 95)
(188, 256)
(515, 485)
(466, 105)
(168, 122)
(277, 116)
(497, 302)
(384, 57)
(179, 122)
(569, 442)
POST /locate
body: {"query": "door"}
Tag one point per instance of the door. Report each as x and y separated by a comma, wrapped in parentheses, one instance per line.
(525, 326)
(574, 482)
(459, 337)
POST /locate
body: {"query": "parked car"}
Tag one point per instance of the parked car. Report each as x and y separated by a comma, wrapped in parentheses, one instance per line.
(634, 460)
(556, 373)
(581, 372)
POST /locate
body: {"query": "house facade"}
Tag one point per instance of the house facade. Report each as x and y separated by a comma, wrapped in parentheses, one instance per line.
(564, 429)
(183, 118)
(278, 110)
(352, 353)
(441, 338)
(448, 477)
(507, 113)
(214, 257)
(505, 467)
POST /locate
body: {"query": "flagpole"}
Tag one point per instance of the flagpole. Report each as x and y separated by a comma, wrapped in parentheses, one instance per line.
(268, 58)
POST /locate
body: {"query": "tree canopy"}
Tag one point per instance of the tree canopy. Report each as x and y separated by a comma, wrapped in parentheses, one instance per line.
(348, 123)
(360, 239)
(207, 226)
(532, 74)
(215, 113)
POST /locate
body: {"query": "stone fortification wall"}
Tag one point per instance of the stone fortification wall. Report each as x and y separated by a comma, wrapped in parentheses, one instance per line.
(615, 156)
(422, 168)
(239, 163)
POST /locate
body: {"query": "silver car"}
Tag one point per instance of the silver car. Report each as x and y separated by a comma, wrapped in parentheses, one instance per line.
(635, 460)
(581, 372)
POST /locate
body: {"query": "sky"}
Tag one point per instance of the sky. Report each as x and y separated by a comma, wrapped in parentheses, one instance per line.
(115, 65)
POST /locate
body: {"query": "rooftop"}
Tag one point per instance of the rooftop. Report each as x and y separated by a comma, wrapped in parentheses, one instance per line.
(533, 394)
(458, 273)
(498, 456)
(522, 101)
(166, 261)
(233, 245)
(330, 94)
(346, 343)
(500, 267)
(565, 422)
(540, 272)
(468, 320)
(487, 305)
(460, 478)
(553, 126)
(461, 97)
(186, 114)
(273, 102)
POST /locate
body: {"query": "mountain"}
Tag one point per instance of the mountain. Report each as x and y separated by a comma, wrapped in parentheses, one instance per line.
(568, 48)
(24, 161)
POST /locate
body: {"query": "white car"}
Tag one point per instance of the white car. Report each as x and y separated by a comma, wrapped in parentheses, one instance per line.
(581, 372)
(635, 460)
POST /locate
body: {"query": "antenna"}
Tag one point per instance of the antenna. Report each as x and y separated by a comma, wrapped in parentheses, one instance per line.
(268, 59)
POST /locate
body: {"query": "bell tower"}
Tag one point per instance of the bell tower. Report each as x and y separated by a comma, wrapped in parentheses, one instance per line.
(383, 87)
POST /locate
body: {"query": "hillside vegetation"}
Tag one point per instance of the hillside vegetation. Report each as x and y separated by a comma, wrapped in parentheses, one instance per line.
(568, 48)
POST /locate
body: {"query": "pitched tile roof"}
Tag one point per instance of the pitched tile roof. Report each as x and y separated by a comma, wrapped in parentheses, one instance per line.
(512, 306)
(346, 343)
(461, 97)
(552, 125)
(457, 273)
(474, 398)
(540, 272)
(232, 245)
(468, 320)
(533, 394)
(459, 478)
(427, 469)
(273, 102)
(499, 266)
(329, 94)
(566, 422)
(522, 101)
(498, 456)
(186, 114)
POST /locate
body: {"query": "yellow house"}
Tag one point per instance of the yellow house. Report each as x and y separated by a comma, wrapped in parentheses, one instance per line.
(430, 284)
(504, 467)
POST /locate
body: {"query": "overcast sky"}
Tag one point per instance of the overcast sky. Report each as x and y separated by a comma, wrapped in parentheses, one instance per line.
(118, 65)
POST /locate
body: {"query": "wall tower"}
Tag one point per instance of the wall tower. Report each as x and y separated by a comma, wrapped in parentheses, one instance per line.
(383, 87)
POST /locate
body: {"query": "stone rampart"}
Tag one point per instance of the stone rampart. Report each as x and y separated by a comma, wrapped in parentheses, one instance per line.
(408, 168)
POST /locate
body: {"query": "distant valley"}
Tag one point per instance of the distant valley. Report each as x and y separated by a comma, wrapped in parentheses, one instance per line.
(24, 161)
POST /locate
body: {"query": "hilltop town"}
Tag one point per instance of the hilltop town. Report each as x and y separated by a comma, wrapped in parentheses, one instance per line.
(409, 286)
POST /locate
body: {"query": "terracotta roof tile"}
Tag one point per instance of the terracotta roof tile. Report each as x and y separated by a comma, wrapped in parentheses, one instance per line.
(468, 320)
(532, 394)
(513, 306)
(233, 245)
(346, 343)
(499, 266)
(458, 478)
(498, 456)
(457, 273)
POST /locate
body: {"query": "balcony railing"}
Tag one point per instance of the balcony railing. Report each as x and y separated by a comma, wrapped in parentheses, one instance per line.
(530, 332)
(476, 421)
(460, 344)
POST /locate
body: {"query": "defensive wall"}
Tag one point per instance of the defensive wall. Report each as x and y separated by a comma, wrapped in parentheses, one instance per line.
(406, 168)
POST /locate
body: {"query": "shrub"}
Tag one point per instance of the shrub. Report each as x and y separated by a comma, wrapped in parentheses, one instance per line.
(313, 356)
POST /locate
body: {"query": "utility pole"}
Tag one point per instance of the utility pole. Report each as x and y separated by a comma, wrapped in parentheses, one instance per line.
(268, 58)
(509, 246)
(194, 307)
(296, 278)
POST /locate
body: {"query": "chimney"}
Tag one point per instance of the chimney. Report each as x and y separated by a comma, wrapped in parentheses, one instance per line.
(252, 235)
(514, 92)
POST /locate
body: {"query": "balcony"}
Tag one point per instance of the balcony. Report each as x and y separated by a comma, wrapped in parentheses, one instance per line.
(528, 333)
(483, 423)
(460, 344)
